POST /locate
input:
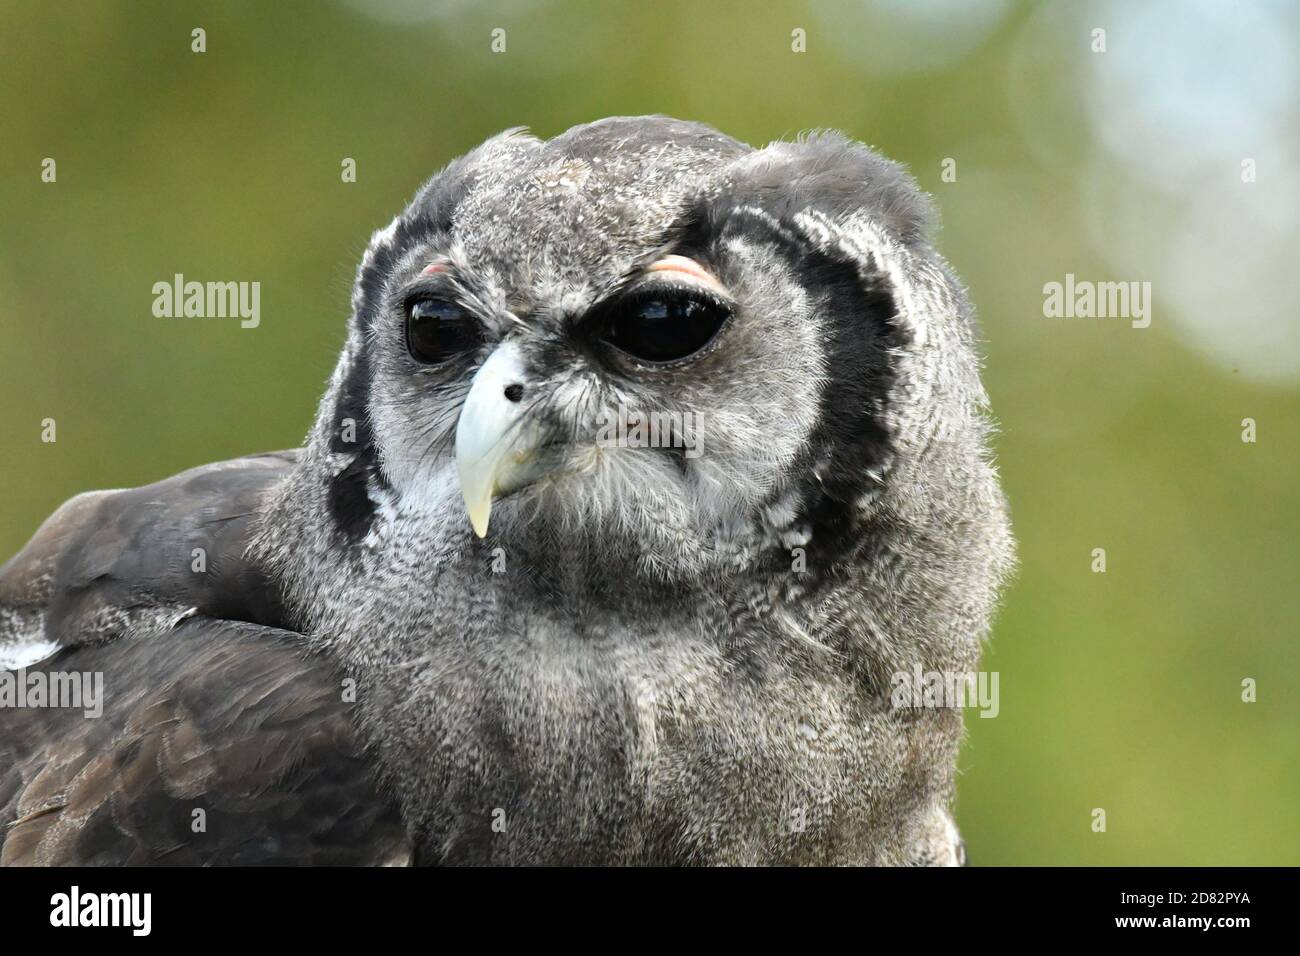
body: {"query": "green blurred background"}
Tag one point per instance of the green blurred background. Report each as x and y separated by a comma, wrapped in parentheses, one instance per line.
(1119, 690)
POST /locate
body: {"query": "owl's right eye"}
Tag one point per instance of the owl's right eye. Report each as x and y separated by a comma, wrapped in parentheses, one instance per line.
(437, 330)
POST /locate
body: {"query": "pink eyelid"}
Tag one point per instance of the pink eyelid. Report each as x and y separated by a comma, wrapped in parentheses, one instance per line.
(687, 267)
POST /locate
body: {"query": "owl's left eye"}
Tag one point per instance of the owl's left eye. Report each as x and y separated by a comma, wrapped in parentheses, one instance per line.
(666, 326)
(437, 330)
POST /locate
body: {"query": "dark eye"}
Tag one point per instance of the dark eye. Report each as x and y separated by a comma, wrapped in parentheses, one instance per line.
(437, 331)
(663, 326)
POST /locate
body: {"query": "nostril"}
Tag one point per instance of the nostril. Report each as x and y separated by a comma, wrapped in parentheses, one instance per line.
(514, 392)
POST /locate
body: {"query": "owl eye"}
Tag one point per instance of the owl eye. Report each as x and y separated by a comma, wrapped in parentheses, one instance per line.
(665, 326)
(437, 330)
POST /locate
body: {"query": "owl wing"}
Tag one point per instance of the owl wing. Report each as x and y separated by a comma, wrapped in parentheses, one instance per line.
(202, 732)
(107, 560)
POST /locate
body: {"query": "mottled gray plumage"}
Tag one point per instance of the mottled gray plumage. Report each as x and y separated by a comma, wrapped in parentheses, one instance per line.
(649, 658)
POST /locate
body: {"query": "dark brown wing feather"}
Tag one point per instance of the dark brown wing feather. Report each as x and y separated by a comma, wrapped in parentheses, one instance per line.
(222, 741)
(108, 557)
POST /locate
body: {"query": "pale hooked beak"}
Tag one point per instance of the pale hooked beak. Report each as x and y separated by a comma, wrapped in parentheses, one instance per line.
(498, 447)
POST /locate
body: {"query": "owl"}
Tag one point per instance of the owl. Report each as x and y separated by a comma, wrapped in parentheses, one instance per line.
(650, 461)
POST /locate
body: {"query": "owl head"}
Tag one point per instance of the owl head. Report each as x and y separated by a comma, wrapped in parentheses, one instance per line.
(650, 343)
